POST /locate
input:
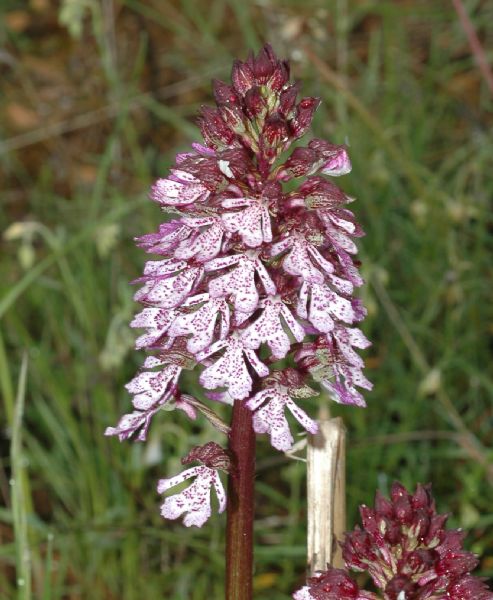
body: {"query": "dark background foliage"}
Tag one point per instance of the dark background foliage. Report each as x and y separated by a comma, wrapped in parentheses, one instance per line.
(97, 97)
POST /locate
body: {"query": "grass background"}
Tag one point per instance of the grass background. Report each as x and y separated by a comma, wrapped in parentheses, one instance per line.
(97, 97)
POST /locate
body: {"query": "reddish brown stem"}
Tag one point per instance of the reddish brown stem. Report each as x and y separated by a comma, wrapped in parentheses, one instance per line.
(474, 43)
(239, 531)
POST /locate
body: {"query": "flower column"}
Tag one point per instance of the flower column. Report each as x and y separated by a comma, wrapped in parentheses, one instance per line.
(250, 279)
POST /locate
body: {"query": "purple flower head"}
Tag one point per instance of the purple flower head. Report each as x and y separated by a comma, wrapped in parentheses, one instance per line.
(406, 549)
(249, 272)
(404, 546)
(333, 584)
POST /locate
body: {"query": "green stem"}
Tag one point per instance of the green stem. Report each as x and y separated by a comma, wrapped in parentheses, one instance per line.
(239, 531)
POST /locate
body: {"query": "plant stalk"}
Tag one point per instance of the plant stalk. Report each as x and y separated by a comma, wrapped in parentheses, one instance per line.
(240, 511)
(326, 485)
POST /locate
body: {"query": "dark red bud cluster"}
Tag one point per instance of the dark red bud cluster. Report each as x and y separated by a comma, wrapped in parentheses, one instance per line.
(264, 69)
(406, 549)
(334, 583)
(259, 110)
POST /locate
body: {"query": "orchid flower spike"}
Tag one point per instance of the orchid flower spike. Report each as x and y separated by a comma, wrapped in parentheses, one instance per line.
(248, 271)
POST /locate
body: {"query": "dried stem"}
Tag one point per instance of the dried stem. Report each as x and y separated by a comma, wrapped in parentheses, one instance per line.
(326, 457)
(239, 531)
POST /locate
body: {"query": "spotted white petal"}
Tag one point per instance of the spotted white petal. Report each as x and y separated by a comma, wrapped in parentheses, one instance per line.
(303, 259)
(347, 267)
(152, 388)
(157, 322)
(342, 337)
(203, 245)
(346, 367)
(239, 283)
(269, 328)
(201, 324)
(153, 361)
(303, 594)
(269, 407)
(341, 285)
(130, 424)
(317, 257)
(298, 262)
(183, 176)
(342, 223)
(169, 236)
(230, 370)
(321, 306)
(195, 501)
(180, 190)
(160, 268)
(235, 202)
(340, 239)
(253, 223)
(357, 338)
(171, 291)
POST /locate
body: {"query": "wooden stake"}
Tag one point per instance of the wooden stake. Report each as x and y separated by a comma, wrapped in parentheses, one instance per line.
(326, 475)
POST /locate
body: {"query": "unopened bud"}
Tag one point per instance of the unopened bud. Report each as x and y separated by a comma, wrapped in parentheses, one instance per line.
(264, 64)
(242, 77)
(287, 101)
(211, 455)
(255, 103)
(223, 93)
(279, 77)
(304, 115)
(214, 129)
(233, 117)
(275, 132)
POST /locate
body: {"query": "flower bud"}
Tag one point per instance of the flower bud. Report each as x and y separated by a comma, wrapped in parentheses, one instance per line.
(215, 131)
(320, 193)
(422, 497)
(274, 135)
(223, 93)
(303, 161)
(403, 510)
(304, 115)
(400, 564)
(264, 64)
(233, 117)
(279, 77)
(333, 583)
(287, 100)
(211, 455)
(242, 77)
(255, 103)
(334, 159)
(237, 162)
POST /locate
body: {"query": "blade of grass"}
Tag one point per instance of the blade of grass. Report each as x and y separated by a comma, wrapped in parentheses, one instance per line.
(20, 491)
(32, 275)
